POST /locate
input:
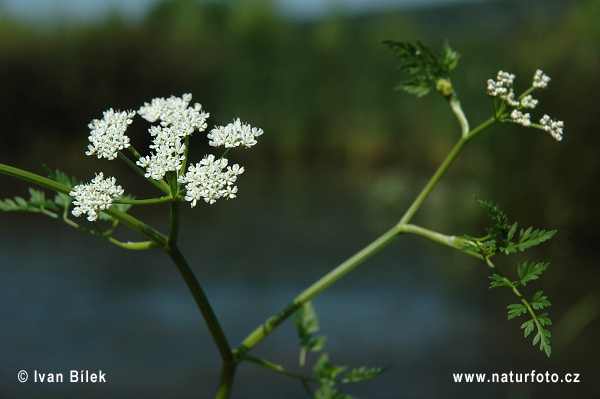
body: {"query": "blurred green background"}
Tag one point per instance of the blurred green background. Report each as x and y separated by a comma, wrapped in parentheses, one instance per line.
(342, 156)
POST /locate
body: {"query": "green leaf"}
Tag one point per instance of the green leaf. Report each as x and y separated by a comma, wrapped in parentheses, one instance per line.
(325, 370)
(362, 374)
(500, 281)
(501, 228)
(539, 302)
(307, 323)
(448, 59)
(418, 59)
(528, 326)
(543, 337)
(516, 310)
(531, 271)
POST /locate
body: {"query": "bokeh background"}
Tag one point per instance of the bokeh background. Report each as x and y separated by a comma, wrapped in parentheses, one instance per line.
(342, 156)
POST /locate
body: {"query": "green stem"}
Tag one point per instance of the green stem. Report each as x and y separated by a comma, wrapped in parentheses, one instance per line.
(274, 321)
(442, 169)
(460, 115)
(174, 225)
(161, 185)
(147, 201)
(277, 368)
(123, 217)
(448, 241)
(203, 304)
(226, 380)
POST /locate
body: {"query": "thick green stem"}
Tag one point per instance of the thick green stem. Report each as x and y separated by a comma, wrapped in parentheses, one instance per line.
(203, 304)
(226, 380)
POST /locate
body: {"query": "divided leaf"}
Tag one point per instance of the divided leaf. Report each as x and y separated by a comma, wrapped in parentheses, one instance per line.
(307, 323)
(531, 271)
(516, 310)
(37, 203)
(501, 234)
(417, 59)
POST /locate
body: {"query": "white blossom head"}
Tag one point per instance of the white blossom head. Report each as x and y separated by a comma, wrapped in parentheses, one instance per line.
(540, 79)
(177, 120)
(234, 135)
(107, 136)
(520, 118)
(552, 127)
(529, 102)
(90, 198)
(209, 180)
(502, 87)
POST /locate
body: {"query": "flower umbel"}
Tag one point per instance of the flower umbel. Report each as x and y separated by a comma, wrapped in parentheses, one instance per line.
(234, 134)
(89, 198)
(209, 180)
(554, 128)
(503, 88)
(177, 121)
(107, 135)
(540, 79)
(521, 118)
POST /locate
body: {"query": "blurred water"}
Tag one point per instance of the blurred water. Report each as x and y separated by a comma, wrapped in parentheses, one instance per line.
(74, 302)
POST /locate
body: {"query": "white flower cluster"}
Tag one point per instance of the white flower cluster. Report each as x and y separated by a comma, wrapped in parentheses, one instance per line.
(554, 128)
(209, 180)
(520, 118)
(107, 135)
(234, 134)
(89, 198)
(177, 121)
(540, 79)
(529, 102)
(502, 88)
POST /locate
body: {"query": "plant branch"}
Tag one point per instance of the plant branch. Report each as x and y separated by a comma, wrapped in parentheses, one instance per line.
(274, 321)
(203, 304)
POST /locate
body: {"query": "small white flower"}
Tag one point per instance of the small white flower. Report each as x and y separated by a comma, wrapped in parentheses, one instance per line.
(510, 99)
(553, 128)
(168, 153)
(540, 79)
(529, 102)
(506, 78)
(107, 135)
(502, 88)
(89, 198)
(177, 121)
(234, 134)
(209, 180)
(520, 118)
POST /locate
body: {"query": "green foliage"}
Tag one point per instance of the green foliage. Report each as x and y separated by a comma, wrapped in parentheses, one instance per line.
(37, 203)
(500, 238)
(307, 323)
(327, 374)
(58, 208)
(430, 71)
(543, 335)
(531, 272)
(500, 235)
(538, 301)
